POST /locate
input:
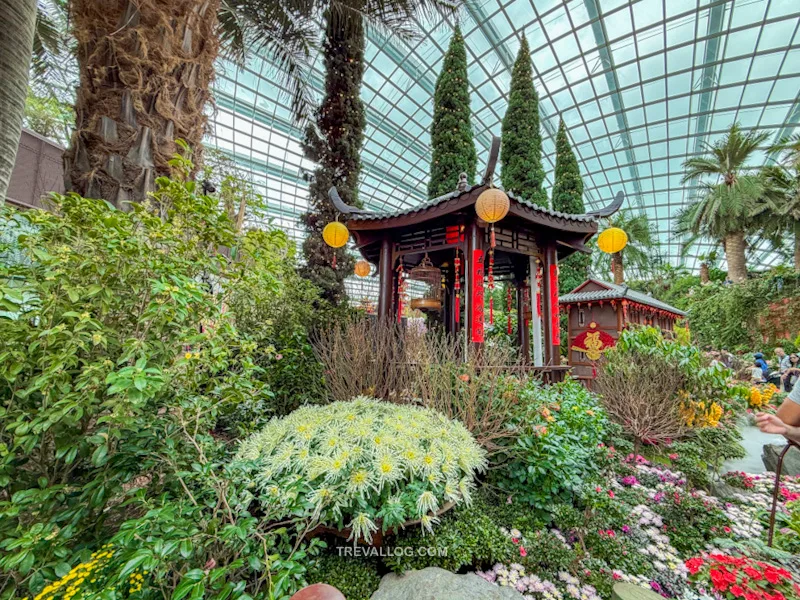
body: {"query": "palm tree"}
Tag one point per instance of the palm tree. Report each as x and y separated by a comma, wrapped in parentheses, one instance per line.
(19, 20)
(785, 181)
(638, 254)
(146, 70)
(725, 211)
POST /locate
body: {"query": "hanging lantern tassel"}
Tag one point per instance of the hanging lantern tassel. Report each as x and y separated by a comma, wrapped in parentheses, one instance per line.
(457, 287)
(508, 298)
(333, 262)
(491, 284)
(492, 239)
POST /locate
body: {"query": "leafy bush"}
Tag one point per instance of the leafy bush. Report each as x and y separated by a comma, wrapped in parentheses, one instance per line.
(559, 429)
(357, 578)
(690, 520)
(365, 462)
(117, 360)
(467, 537)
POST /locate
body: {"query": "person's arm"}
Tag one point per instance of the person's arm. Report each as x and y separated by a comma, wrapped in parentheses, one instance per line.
(789, 411)
(773, 424)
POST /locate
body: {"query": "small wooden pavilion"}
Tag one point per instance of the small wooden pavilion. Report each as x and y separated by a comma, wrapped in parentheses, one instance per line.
(598, 311)
(438, 256)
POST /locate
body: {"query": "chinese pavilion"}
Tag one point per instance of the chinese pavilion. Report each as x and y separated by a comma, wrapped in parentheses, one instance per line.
(444, 244)
(598, 311)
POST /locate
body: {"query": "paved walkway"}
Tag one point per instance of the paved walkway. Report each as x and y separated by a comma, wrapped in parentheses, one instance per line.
(753, 442)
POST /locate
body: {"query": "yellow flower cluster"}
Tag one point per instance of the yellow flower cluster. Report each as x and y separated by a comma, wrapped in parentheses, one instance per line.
(70, 586)
(759, 398)
(701, 414)
(756, 398)
(136, 580)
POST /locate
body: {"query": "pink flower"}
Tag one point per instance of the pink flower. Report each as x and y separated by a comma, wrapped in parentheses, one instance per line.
(610, 533)
(598, 489)
(522, 551)
(610, 493)
(625, 529)
(673, 456)
(515, 540)
(278, 356)
(508, 500)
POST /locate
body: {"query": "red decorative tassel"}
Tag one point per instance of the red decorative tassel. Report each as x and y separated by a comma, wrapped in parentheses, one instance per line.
(333, 262)
(491, 310)
(508, 295)
(458, 309)
(492, 240)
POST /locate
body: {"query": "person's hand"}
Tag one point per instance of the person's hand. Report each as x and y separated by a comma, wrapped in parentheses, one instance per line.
(771, 424)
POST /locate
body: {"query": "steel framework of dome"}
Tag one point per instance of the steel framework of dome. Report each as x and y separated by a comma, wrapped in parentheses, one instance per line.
(641, 85)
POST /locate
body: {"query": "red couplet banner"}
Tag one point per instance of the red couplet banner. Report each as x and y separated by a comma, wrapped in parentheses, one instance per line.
(555, 325)
(476, 294)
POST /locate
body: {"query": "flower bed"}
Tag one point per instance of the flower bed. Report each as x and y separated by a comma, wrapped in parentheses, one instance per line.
(644, 525)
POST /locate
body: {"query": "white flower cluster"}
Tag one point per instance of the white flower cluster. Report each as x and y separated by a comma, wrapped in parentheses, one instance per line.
(576, 590)
(531, 586)
(348, 454)
(665, 557)
(646, 517)
(744, 520)
(639, 580)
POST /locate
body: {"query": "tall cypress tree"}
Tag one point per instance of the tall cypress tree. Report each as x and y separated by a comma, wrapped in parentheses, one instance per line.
(335, 145)
(521, 150)
(568, 198)
(453, 149)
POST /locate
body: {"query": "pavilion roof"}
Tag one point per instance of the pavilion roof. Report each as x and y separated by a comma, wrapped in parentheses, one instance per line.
(555, 218)
(613, 291)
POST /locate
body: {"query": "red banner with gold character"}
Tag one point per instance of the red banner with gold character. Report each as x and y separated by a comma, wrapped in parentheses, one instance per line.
(554, 308)
(476, 295)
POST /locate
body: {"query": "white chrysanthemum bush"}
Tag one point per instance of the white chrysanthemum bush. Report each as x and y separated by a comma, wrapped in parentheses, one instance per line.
(365, 464)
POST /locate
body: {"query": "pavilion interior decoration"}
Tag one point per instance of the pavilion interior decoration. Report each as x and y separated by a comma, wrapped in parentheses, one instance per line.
(428, 280)
(491, 206)
(592, 342)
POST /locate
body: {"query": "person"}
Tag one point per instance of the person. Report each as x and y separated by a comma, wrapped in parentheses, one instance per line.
(757, 373)
(792, 374)
(760, 362)
(785, 422)
(783, 360)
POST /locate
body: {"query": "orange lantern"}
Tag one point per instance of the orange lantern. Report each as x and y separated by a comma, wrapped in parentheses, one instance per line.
(492, 205)
(612, 240)
(335, 234)
(362, 268)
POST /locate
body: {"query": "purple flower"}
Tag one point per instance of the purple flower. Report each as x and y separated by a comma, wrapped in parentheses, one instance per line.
(625, 529)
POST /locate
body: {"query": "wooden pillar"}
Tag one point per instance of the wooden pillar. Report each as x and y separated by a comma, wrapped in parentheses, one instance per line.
(523, 329)
(552, 343)
(474, 269)
(386, 275)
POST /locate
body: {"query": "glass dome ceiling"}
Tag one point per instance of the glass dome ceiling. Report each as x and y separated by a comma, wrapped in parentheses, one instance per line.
(640, 85)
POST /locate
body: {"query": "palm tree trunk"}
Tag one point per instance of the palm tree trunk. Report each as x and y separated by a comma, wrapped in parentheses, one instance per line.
(797, 246)
(704, 273)
(145, 73)
(735, 253)
(16, 42)
(617, 268)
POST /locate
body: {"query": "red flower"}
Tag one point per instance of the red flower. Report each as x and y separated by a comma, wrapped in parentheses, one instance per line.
(718, 580)
(726, 529)
(694, 565)
(522, 551)
(752, 573)
(610, 493)
(515, 540)
(772, 576)
(737, 590)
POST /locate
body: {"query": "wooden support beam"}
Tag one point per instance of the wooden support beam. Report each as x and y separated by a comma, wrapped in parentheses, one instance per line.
(386, 274)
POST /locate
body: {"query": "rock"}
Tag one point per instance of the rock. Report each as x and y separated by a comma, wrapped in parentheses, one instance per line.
(319, 591)
(437, 584)
(720, 489)
(791, 462)
(629, 591)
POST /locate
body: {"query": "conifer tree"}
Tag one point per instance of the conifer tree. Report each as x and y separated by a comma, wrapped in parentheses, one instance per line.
(453, 148)
(335, 144)
(521, 150)
(568, 198)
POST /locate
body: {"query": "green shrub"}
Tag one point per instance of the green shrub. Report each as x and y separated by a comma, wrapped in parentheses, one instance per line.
(690, 521)
(559, 429)
(467, 537)
(356, 577)
(117, 360)
(365, 462)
